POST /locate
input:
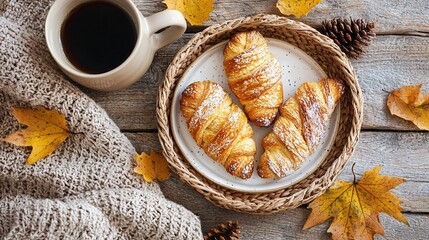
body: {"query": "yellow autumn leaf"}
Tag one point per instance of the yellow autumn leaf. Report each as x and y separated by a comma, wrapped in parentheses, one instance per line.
(196, 12)
(410, 104)
(296, 7)
(46, 130)
(355, 206)
(153, 166)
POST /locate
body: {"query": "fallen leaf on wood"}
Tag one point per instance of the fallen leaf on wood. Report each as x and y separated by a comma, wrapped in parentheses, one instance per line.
(296, 7)
(196, 12)
(410, 104)
(46, 130)
(153, 166)
(355, 206)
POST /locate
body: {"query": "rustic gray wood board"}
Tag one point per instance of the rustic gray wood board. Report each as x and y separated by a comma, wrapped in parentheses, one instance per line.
(394, 16)
(284, 225)
(375, 148)
(398, 57)
(400, 154)
(392, 62)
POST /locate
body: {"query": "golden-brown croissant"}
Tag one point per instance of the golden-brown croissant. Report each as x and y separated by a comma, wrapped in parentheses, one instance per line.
(254, 75)
(299, 128)
(219, 127)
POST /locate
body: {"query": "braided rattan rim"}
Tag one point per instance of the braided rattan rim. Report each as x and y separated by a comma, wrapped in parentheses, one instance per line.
(329, 57)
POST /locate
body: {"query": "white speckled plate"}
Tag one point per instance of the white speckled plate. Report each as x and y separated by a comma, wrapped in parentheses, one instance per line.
(297, 68)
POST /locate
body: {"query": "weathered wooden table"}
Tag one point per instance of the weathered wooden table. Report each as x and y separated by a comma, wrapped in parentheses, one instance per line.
(399, 56)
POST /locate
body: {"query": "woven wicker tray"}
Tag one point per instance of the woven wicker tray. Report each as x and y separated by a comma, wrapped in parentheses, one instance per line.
(326, 54)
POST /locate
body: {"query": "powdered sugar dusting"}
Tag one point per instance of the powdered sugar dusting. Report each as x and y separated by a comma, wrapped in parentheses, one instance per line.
(190, 90)
(234, 117)
(218, 147)
(265, 121)
(208, 106)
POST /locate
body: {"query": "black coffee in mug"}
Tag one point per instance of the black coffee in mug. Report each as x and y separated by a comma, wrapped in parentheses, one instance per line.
(98, 36)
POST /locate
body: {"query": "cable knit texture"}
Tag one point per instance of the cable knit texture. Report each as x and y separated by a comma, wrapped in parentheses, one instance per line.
(86, 189)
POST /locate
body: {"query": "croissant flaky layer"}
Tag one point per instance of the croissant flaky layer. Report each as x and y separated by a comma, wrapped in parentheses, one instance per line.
(219, 127)
(254, 75)
(299, 128)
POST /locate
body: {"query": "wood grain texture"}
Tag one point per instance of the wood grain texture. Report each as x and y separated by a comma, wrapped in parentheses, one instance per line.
(396, 16)
(284, 225)
(400, 154)
(391, 62)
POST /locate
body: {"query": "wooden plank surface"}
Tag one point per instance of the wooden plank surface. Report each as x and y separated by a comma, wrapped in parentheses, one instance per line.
(400, 154)
(392, 62)
(395, 16)
(399, 56)
(284, 225)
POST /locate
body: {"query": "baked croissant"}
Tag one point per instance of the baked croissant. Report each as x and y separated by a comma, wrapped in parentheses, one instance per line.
(299, 128)
(254, 75)
(219, 127)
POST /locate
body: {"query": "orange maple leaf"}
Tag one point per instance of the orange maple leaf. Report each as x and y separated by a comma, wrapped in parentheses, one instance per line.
(355, 206)
(153, 166)
(410, 104)
(46, 130)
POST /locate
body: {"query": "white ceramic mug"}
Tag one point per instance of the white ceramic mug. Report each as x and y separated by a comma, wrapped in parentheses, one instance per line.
(137, 63)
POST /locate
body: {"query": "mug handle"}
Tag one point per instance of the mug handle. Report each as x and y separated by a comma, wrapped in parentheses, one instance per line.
(172, 19)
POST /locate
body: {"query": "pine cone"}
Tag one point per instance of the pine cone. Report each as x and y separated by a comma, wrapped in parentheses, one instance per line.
(351, 35)
(229, 232)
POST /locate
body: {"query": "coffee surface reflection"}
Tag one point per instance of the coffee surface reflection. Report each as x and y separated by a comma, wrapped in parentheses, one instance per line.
(98, 36)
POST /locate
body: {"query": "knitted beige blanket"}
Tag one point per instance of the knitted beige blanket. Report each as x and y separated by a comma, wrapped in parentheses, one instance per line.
(86, 189)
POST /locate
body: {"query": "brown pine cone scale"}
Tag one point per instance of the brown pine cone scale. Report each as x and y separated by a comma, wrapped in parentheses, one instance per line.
(230, 231)
(350, 35)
